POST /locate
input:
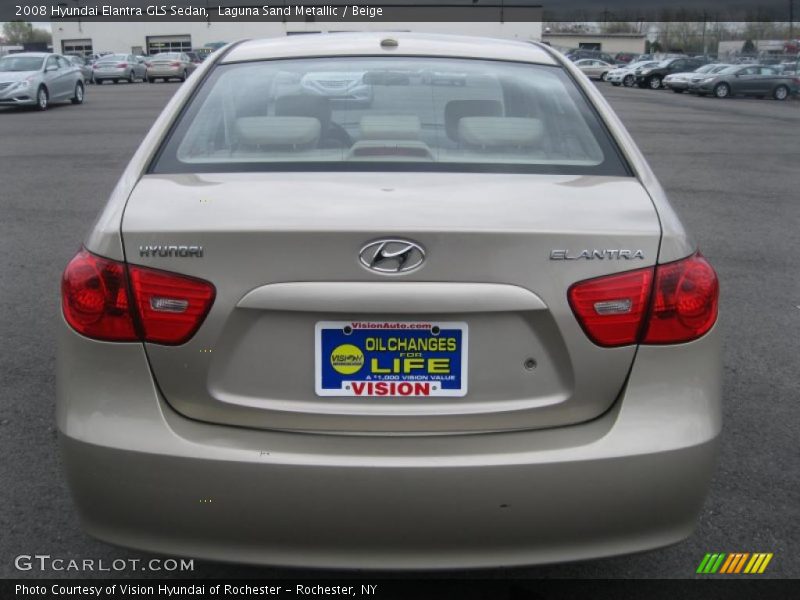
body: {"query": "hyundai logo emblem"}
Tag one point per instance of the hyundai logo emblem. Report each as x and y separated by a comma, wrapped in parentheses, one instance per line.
(392, 256)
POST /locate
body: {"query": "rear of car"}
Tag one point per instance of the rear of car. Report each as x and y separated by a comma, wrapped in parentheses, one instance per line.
(116, 68)
(458, 326)
(169, 65)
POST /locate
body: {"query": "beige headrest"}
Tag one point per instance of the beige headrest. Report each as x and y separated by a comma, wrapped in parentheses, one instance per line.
(493, 132)
(278, 131)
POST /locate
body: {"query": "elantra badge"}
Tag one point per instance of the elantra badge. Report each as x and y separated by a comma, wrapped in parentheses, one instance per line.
(617, 254)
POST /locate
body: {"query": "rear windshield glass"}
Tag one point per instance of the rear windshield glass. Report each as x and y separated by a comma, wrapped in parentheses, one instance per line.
(389, 113)
(113, 57)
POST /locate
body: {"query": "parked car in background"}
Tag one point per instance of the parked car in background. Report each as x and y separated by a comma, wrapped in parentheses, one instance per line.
(652, 77)
(170, 65)
(194, 57)
(118, 67)
(38, 79)
(84, 65)
(593, 68)
(625, 75)
(746, 80)
(349, 87)
(459, 328)
(93, 58)
(625, 58)
(679, 82)
(578, 54)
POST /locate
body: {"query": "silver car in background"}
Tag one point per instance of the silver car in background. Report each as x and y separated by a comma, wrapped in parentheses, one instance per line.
(170, 65)
(338, 86)
(118, 67)
(594, 68)
(459, 327)
(679, 82)
(38, 79)
(625, 75)
(84, 65)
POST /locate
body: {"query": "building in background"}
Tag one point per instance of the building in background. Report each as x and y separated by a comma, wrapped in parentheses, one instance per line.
(610, 43)
(761, 48)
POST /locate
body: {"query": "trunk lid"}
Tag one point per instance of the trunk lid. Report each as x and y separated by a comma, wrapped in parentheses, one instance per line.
(282, 250)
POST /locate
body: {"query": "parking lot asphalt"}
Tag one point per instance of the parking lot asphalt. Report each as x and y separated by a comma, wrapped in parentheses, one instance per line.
(730, 168)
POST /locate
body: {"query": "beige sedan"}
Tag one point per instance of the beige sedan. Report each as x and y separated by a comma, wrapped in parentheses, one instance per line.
(170, 65)
(593, 68)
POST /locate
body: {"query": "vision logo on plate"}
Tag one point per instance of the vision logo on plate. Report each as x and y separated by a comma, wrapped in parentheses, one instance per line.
(347, 359)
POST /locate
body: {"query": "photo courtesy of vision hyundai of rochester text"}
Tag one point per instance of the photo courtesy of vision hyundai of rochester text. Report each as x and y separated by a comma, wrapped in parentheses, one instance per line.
(388, 300)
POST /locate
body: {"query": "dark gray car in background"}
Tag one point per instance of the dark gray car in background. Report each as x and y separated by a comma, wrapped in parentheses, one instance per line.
(746, 80)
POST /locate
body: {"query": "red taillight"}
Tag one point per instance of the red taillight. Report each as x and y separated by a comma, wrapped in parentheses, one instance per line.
(618, 310)
(611, 309)
(168, 308)
(685, 301)
(175, 64)
(94, 297)
(171, 307)
(122, 65)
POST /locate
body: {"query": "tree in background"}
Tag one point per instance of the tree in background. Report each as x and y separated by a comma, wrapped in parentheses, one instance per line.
(612, 27)
(22, 32)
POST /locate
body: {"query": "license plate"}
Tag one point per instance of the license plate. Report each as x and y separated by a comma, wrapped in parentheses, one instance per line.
(396, 358)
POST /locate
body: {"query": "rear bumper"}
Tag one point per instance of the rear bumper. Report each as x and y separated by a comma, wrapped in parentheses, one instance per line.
(145, 477)
(164, 72)
(111, 74)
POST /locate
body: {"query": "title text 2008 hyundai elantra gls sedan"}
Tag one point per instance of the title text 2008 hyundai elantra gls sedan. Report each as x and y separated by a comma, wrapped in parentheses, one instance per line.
(453, 326)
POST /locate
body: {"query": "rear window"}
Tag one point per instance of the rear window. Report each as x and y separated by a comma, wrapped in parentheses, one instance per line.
(389, 114)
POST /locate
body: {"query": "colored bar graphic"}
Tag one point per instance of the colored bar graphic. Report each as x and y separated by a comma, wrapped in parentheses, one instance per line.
(727, 564)
(703, 563)
(764, 564)
(734, 563)
(754, 563)
(718, 563)
(741, 562)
